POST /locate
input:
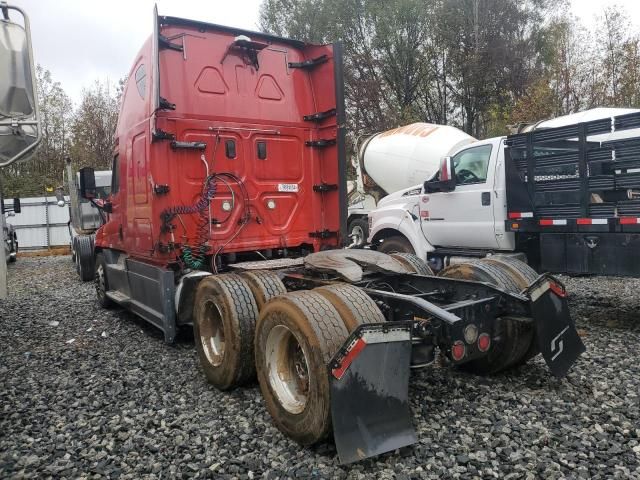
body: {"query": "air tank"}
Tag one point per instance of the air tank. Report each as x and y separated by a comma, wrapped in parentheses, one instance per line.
(409, 155)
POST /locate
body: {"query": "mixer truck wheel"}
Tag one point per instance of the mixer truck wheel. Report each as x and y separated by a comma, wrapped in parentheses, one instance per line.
(225, 314)
(414, 263)
(296, 336)
(396, 244)
(84, 260)
(512, 337)
(354, 306)
(358, 231)
(264, 285)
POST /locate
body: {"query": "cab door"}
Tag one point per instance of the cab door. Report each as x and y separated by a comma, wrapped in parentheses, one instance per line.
(464, 217)
(113, 229)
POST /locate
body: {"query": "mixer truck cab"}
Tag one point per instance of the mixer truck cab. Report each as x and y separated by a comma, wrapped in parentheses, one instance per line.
(466, 209)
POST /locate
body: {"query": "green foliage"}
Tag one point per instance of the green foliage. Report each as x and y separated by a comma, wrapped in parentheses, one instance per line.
(480, 65)
(84, 134)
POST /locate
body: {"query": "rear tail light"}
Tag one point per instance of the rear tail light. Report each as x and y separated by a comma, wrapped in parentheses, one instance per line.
(484, 342)
(557, 289)
(458, 351)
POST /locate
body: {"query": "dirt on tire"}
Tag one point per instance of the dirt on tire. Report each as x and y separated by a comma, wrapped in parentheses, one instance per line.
(354, 306)
(264, 285)
(320, 332)
(225, 300)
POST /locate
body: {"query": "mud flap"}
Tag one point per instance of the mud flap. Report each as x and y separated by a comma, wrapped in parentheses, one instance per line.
(557, 337)
(370, 392)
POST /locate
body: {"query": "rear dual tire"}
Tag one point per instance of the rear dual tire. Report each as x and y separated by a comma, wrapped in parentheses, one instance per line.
(514, 338)
(225, 314)
(296, 337)
(226, 309)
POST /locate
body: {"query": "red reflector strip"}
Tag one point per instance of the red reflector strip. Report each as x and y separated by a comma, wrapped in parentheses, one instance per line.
(518, 215)
(549, 222)
(592, 221)
(349, 358)
(557, 289)
(629, 220)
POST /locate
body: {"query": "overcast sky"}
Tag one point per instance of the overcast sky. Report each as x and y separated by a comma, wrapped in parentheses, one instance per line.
(82, 40)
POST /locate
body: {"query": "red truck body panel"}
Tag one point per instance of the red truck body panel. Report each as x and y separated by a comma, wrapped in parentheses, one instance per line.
(251, 100)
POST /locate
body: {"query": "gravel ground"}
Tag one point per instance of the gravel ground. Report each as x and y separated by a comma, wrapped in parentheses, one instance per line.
(91, 393)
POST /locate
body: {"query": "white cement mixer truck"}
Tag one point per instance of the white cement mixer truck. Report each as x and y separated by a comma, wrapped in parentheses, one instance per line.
(564, 195)
(395, 160)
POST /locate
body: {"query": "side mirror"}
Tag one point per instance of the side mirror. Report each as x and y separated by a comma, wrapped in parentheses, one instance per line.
(9, 210)
(20, 130)
(87, 183)
(446, 181)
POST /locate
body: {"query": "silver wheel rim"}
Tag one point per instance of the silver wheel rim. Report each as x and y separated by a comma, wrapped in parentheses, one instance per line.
(212, 334)
(101, 288)
(287, 369)
(357, 234)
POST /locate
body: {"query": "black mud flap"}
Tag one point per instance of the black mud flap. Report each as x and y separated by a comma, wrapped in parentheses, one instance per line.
(370, 392)
(557, 337)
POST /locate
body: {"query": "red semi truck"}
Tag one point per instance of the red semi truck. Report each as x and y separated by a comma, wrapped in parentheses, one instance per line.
(227, 213)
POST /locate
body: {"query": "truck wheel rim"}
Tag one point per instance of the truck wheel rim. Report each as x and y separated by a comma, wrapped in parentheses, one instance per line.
(358, 235)
(287, 369)
(212, 334)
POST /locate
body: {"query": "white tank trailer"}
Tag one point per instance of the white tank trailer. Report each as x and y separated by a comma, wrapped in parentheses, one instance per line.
(394, 160)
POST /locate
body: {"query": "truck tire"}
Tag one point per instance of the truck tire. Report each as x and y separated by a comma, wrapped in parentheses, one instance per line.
(515, 335)
(358, 231)
(14, 249)
(225, 314)
(73, 249)
(522, 273)
(296, 337)
(101, 282)
(264, 285)
(85, 261)
(353, 305)
(482, 272)
(525, 276)
(396, 244)
(414, 263)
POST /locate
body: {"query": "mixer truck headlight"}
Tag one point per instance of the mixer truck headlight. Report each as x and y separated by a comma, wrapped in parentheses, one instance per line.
(271, 204)
(226, 205)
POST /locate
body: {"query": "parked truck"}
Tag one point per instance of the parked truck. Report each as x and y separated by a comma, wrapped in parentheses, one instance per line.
(395, 160)
(10, 237)
(226, 215)
(562, 195)
(85, 217)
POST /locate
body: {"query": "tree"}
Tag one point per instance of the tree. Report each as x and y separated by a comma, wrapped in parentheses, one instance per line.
(94, 126)
(444, 61)
(46, 166)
